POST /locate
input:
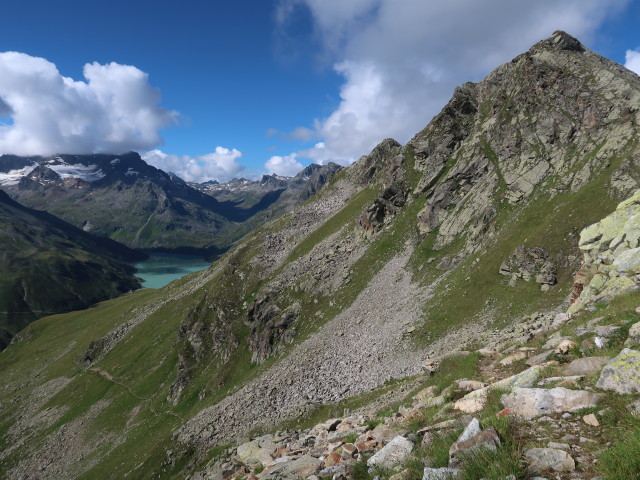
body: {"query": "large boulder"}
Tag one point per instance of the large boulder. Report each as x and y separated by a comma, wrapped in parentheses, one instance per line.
(622, 374)
(534, 402)
(611, 256)
(476, 400)
(586, 366)
(392, 454)
(256, 451)
(544, 459)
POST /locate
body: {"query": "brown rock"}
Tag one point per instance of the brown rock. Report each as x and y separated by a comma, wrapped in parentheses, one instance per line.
(350, 449)
(591, 420)
(366, 446)
(333, 459)
(568, 384)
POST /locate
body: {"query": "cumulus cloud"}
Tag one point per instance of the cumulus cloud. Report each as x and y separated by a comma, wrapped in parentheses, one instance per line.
(220, 165)
(632, 61)
(401, 59)
(286, 166)
(114, 110)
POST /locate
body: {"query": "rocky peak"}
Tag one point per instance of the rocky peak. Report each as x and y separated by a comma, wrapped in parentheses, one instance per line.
(560, 40)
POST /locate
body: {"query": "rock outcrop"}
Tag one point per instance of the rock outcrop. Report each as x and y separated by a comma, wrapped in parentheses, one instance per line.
(611, 256)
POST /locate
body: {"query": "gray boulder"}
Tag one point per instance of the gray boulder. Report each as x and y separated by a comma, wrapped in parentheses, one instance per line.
(440, 473)
(634, 335)
(392, 454)
(586, 366)
(534, 402)
(622, 374)
(542, 459)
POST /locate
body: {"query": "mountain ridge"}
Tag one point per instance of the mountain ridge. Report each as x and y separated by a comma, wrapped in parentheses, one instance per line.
(50, 266)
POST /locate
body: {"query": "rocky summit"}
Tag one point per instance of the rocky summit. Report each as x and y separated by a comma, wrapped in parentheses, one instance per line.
(462, 306)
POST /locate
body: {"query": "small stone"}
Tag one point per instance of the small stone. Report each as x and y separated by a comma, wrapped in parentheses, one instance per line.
(333, 459)
(634, 335)
(487, 439)
(350, 449)
(591, 420)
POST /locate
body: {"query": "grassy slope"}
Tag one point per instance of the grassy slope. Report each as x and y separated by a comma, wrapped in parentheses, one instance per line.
(145, 361)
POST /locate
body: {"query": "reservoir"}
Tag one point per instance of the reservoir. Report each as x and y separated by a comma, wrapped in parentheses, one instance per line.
(162, 268)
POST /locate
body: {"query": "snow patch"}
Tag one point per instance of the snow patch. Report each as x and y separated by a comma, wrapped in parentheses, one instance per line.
(131, 171)
(12, 177)
(115, 161)
(88, 173)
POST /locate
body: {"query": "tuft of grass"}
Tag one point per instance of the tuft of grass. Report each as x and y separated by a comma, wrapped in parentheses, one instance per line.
(621, 461)
(350, 438)
(359, 470)
(438, 452)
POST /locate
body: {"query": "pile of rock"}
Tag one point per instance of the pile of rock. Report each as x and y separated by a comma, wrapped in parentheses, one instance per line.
(530, 263)
(532, 398)
(611, 251)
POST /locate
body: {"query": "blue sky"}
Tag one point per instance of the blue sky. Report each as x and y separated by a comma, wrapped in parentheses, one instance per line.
(254, 86)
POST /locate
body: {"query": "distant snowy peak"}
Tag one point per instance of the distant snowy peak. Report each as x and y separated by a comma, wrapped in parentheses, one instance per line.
(87, 173)
(13, 177)
(79, 168)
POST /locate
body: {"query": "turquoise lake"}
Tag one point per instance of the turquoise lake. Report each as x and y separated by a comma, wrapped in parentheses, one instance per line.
(162, 268)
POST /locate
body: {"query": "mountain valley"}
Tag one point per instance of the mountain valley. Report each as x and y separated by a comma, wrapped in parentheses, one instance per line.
(334, 337)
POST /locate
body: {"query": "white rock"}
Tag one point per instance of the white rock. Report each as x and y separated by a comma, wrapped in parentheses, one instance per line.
(440, 473)
(392, 454)
(534, 402)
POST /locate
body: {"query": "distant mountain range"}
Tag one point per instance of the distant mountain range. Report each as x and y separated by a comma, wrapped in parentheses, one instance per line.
(125, 199)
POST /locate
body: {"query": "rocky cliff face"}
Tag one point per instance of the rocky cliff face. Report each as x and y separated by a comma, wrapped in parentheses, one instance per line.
(352, 296)
(546, 123)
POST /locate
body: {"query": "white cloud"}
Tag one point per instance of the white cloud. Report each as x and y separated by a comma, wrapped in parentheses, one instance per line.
(114, 110)
(321, 155)
(401, 59)
(632, 61)
(221, 165)
(286, 166)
